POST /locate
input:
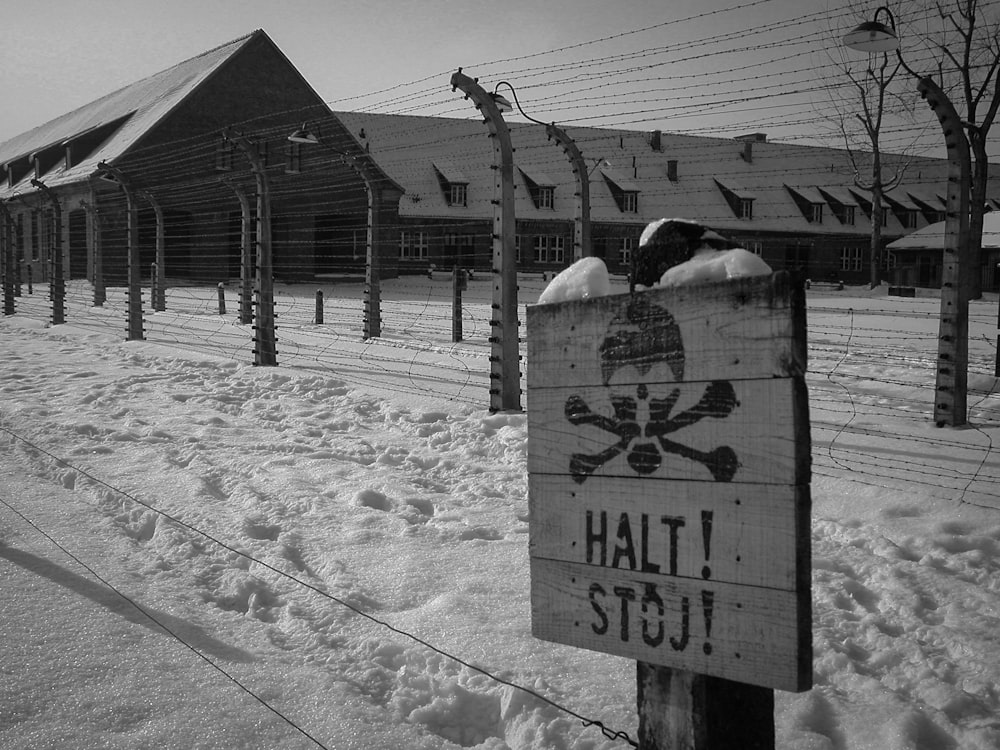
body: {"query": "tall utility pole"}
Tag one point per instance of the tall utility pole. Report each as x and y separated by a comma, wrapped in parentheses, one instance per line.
(505, 357)
(57, 283)
(265, 345)
(135, 332)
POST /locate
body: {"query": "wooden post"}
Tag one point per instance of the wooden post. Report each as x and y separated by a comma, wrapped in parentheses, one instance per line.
(668, 490)
(319, 307)
(680, 710)
(222, 298)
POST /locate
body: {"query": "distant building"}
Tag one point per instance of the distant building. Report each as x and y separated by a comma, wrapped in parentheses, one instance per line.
(918, 255)
(796, 206)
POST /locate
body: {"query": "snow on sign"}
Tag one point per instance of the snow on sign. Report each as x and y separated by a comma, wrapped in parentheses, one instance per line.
(668, 478)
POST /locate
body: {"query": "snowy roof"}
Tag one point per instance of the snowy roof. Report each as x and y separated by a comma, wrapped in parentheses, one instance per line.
(128, 114)
(931, 237)
(673, 174)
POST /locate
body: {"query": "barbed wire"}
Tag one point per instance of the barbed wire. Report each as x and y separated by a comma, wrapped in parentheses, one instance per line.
(357, 610)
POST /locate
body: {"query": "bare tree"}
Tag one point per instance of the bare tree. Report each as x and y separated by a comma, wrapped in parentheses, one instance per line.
(966, 48)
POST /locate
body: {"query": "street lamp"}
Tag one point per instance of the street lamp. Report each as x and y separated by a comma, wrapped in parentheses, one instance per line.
(581, 204)
(373, 191)
(951, 387)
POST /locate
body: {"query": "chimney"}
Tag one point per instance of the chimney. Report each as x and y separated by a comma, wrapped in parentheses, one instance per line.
(672, 170)
(748, 141)
(656, 140)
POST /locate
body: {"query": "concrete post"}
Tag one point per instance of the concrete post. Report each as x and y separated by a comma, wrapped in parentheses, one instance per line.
(505, 367)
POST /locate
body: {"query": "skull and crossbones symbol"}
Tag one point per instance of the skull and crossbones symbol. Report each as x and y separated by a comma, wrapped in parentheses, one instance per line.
(644, 336)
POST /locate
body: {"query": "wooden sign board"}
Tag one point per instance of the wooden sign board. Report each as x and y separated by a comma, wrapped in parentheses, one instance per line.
(668, 478)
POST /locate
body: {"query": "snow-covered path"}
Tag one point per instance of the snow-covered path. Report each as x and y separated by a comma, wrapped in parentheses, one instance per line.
(370, 475)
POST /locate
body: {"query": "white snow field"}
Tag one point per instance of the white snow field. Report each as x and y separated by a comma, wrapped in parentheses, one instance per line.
(199, 553)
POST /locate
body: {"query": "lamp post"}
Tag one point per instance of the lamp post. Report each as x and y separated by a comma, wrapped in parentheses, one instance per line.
(581, 203)
(505, 369)
(373, 238)
(265, 346)
(951, 386)
(134, 332)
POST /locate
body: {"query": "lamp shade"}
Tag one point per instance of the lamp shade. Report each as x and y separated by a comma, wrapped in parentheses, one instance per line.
(872, 36)
(502, 102)
(303, 136)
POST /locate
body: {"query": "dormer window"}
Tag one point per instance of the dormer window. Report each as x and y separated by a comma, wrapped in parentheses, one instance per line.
(454, 184)
(458, 194)
(541, 188)
(740, 200)
(809, 201)
(623, 190)
(841, 204)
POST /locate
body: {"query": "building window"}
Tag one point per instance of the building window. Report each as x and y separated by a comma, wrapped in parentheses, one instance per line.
(888, 260)
(293, 157)
(550, 248)
(36, 231)
(458, 194)
(224, 151)
(625, 247)
(546, 197)
(746, 208)
(816, 213)
(910, 219)
(848, 215)
(517, 248)
(413, 245)
(851, 258)
(754, 246)
(630, 202)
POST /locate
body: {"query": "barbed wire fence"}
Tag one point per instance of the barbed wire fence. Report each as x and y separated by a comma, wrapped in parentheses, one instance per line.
(852, 368)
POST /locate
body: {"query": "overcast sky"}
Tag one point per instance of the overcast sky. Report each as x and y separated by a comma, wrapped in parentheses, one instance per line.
(711, 67)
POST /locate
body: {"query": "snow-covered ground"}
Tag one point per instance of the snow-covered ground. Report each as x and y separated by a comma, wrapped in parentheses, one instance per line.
(198, 553)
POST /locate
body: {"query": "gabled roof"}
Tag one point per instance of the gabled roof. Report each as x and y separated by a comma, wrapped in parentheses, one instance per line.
(408, 146)
(135, 109)
(931, 237)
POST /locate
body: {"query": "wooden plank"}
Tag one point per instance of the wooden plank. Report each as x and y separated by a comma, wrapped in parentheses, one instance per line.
(758, 439)
(749, 634)
(742, 329)
(747, 534)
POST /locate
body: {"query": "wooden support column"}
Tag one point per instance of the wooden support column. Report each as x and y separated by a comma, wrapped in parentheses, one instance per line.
(680, 710)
